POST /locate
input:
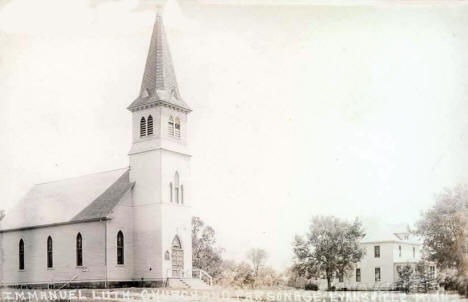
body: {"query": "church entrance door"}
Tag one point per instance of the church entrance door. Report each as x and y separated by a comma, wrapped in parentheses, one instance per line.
(177, 259)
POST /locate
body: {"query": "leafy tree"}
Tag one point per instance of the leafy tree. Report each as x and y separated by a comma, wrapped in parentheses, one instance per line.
(416, 278)
(425, 277)
(329, 249)
(235, 275)
(406, 278)
(205, 254)
(258, 258)
(444, 228)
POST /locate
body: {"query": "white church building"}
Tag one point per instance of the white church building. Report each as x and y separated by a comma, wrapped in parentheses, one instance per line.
(128, 226)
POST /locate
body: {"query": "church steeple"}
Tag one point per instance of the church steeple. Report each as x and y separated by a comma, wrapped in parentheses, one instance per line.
(160, 168)
(159, 85)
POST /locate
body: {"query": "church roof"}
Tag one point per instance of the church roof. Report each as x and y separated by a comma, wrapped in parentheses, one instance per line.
(159, 85)
(76, 199)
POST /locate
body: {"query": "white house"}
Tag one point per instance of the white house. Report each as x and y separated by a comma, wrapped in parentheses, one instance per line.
(387, 250)
(128, 226)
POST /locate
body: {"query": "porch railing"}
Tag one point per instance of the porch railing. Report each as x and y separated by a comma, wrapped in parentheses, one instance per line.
(202, 275)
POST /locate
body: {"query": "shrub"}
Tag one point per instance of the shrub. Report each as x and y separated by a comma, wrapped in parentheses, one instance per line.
(311, 286)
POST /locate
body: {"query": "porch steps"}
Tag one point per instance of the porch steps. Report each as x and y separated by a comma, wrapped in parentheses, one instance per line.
(187, 283)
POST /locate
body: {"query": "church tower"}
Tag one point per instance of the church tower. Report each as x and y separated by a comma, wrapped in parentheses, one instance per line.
(159, 166)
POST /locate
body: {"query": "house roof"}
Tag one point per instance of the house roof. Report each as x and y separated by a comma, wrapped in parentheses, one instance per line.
(377, 231)
(70, 200)
(159, 85)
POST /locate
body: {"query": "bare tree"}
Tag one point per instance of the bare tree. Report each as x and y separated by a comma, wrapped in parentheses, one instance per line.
(257, 257)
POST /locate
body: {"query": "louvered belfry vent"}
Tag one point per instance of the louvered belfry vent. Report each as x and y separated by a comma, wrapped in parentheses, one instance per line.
(143, 127)
(150, 125)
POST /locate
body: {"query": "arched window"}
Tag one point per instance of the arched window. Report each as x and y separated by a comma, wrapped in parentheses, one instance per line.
(176, 187)
(176, 243)
(150, 125)
(167, 256)
(79, 250)
(143, 127)
(182, 194)
(170, 126)
(399, 251)
(170, 192)
(50, 256)
(21, 254)
(120, 248)
(177, 127)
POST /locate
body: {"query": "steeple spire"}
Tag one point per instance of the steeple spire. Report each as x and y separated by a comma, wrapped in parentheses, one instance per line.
(159, 85)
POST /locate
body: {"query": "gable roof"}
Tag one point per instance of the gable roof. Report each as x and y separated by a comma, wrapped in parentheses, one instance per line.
(71, 200)
(159, 85)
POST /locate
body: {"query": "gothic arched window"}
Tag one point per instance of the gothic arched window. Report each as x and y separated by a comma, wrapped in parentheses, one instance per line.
(79, 250)
(120, 248)
(177, 127)
(182, 194)
(21, 254)
(50, 256)
(170, 191)
(150, 125)
(143, 127)
(170, 126)
(176, 243)
(176, 187)
(167, 256)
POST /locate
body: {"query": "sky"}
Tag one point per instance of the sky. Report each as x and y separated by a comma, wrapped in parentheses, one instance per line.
(300, 108)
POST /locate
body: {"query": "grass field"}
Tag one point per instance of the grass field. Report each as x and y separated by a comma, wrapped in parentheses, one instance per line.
(221, 295)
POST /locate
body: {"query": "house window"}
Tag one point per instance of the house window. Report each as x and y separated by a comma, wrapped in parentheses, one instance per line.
(340, 277)
(399, 250)
(167, 256)
(150, 125)
(142, 127)
(377, 274)
(120, 248)
(50, 257)
(358, 275)
(79, 250)
(377, 251)
(171, 126)
(177, 127)
(414, 252)
(21, 254)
